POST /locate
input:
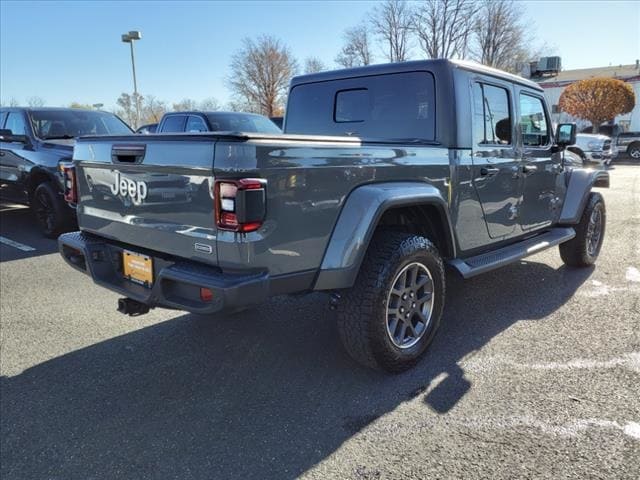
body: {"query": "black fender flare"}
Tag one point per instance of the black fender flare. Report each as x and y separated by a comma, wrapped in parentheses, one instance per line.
(581, 181)
(358, 220)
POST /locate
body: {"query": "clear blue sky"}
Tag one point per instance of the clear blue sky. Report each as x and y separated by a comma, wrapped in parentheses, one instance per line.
(71, 51)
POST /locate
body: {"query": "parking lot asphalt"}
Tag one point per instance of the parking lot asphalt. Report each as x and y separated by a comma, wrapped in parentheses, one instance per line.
(535, 373)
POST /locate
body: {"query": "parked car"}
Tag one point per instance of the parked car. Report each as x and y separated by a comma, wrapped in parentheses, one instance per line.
(149, 128)
(34, 142)
(384, 174)
(193, 122)
(629, 143)
(623, 142)
(594, 149)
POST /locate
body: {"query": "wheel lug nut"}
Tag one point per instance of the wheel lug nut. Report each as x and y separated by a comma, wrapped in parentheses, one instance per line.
(401, 309)
(413, 305)
(404, 296)
(406, 316)
(411, 294)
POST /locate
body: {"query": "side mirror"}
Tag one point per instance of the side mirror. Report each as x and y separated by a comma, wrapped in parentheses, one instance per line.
(9, 137)
(566, 134)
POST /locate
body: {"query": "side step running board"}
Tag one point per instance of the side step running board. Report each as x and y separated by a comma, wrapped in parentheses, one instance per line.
(472, 266)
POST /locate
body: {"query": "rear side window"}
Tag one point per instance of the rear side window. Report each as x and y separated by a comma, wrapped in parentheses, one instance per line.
(16, 123)
(195, 124)
(174, 123)
(491, 115)
(533, 121)
(397, 106)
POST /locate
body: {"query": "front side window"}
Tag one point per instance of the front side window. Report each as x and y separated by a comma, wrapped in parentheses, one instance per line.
(533, 121)
(492, 118)
(16, 123)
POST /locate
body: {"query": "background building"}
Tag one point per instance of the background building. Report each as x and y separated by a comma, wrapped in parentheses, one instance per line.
(554, 81)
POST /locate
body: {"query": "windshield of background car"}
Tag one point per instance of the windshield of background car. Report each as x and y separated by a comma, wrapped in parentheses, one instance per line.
(238, 122)
(51, 124)
(398, 106)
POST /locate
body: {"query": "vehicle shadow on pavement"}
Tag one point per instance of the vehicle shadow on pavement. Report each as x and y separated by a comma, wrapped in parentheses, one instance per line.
(267, 393)
(17, 224)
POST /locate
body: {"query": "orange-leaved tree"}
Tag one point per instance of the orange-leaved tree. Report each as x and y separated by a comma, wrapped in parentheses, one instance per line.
(597, 100)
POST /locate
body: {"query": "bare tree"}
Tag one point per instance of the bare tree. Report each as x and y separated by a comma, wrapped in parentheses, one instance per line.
(500, 38)
(261, 71)
(12, 102)
(35, 101)
(185, 105)
(152, 109)
(392, 22)
(83, 106)
(356, 51)
(127, 110)
(210, 104)
(443, 27)
(314, 65)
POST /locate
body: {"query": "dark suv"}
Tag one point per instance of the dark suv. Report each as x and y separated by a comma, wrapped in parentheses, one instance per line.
(34, 142)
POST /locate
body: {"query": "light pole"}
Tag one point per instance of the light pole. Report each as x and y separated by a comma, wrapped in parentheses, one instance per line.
(130, 38)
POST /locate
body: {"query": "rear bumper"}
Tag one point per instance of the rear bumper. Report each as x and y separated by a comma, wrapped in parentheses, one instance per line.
(176, 284)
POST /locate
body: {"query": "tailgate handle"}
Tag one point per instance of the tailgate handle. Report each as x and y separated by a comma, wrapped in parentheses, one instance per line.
(128, 153)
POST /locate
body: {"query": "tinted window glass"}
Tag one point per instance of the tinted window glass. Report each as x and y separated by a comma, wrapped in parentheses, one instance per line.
(241, 122)
(16, 123)
(50, 124)
(352, 106)
(173, 123)
(195, 124)
(397, 106)
(533, 122)
(492, 120)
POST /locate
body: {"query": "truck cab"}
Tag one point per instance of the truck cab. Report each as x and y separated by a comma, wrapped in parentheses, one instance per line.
(196, 121)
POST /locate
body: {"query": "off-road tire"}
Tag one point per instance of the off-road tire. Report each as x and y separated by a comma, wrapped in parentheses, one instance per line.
(575, 252)
(362, 309)
(51, 212)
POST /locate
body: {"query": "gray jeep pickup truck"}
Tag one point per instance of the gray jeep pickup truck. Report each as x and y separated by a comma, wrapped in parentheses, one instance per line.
(384, 175)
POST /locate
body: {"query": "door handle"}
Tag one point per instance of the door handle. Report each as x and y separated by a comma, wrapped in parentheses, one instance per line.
(1, 154)
(529, 169)
(489, 171)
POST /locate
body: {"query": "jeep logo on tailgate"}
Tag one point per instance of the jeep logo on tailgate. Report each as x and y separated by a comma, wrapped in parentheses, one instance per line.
(136, 190)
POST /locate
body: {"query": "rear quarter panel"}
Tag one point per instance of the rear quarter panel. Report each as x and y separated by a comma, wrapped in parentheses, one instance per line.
(307, 184)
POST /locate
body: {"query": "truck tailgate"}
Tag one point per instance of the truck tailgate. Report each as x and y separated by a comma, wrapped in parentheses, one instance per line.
(149, 191)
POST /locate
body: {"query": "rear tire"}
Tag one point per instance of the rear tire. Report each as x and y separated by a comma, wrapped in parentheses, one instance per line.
(389, 317)
(584, 248)
(634, 151)
(50, 210)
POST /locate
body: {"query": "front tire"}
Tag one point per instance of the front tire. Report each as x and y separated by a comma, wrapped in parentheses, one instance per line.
(584, 248)
(634, 151)
(50, 210)
(389, 317)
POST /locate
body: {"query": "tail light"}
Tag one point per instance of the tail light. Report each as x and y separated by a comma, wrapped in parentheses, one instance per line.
(240, 205)
(70, 184)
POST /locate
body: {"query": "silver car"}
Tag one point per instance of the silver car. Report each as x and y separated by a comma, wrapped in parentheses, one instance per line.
(594, 149)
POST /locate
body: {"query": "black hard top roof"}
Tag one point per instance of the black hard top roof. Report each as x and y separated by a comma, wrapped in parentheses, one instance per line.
(432, 65)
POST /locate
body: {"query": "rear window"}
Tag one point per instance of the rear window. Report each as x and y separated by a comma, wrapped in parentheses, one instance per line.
(397, 106)
(241, 122)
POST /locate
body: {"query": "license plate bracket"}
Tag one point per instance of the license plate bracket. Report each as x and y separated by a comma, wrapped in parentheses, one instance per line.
(137, 268)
